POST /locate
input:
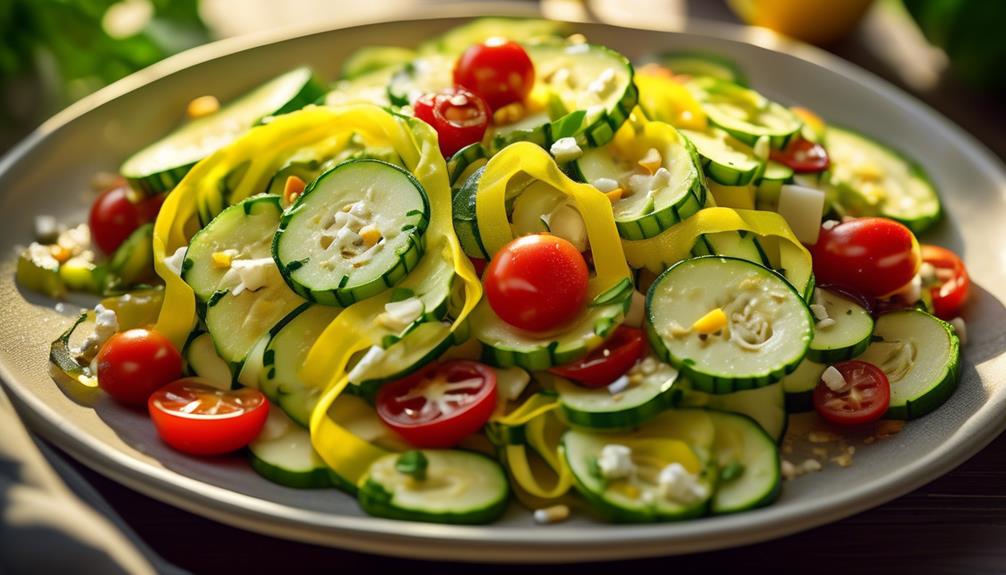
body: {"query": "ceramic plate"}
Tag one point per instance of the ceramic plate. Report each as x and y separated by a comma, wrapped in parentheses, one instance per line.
(49, 172)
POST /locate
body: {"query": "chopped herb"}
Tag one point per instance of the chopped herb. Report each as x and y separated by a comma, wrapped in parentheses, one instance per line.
(412, 463)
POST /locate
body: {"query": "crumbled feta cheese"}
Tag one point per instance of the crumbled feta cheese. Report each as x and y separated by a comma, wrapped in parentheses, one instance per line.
(825, 323)
(615, 462)
(603, 84)
(75, 239)
(961, 329)
(249, 275)
(677, 484)
(47, 229)
(810, 465)
(373, 355)
(833, 379)
(788, 470)
(106, 323)
(511, 381)
(399, 315)
(637, 309)
(565, 150)
(619, 385)
(820, 312)
(174, 261)
(829, 224)
(802, 207)
(553, 514)
(605, 184)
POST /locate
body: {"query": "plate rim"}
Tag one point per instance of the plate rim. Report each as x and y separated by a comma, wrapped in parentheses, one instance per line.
(398, 538)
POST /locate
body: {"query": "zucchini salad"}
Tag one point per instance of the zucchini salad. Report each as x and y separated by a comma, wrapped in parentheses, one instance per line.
(506, 265)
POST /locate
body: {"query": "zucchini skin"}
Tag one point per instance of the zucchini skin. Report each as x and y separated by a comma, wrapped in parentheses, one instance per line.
(939, 393)
(766, 498)
(315, 479)
(375, 500)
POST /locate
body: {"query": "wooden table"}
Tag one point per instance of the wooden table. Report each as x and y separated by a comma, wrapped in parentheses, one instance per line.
(956, 524)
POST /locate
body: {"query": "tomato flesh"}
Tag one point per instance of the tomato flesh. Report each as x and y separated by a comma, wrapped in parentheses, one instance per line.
(441, 404)
(803, 156)
(133, 364)
(537, 282)
(953, 282)
(871, 256)
(864, 398)
(607, 363)
(498, 70)
(114, 216)
(459, 117)
(194, 417)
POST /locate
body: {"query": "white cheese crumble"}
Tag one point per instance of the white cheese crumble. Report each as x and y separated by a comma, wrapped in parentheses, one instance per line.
(106, 323)
(619, 385)
(961, 329)
(603, 84)
(829, 224)
(677, 484)
(174, 261)
(820, 312)
(833, 379)
(637, 309)
(605, 185)
(76, 239)
(249, 275)
(399, 315)
(47, 229)
(565, 150)
(511, 381)
(615, 462)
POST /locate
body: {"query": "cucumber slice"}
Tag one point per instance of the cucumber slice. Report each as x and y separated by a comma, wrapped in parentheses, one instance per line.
(644, 213)
(765, 405)
(846, 335)
(465, 218)
(741, 443)
(203, 361)
(418, 347)
(638, 497)
(459, 38)
(284, 355)
(597, 408)
(318, 245)
(133, 261)
(736, 244)
(429, 73)
(770, 185)
(920, 355)
(725, 159)
(703, 65)
(465, 161)
(459, 487)
(251, 369)
(283, 454)
(873, 179)
(504, 345)
(799, 386)
(160, 166)
(372, 58)
(745, 114)
(767, 331)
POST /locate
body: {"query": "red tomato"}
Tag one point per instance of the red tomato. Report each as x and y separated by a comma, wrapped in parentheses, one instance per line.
(871, 256)
(113, 217)
(498, 70)
(441, 404)
(864, 398)
(803, 156)
(607, 363)
(954, 283)
(537, 282)
(197, 418)
(459, 117)
(133, 364)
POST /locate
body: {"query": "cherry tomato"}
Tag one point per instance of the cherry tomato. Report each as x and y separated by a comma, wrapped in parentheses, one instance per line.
(537, 282)
(459, 117)
(803, 156)
(609, 362)
(498, 70)
(132, 364)
(871, 256)
(954, 282)
(114, 216)
(441, 404)
(864, 398)
(197, 418)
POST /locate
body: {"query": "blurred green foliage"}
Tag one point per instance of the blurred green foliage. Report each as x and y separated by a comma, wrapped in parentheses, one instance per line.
(971, 32)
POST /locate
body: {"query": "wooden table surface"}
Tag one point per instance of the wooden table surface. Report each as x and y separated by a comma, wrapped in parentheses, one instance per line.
(956, 524)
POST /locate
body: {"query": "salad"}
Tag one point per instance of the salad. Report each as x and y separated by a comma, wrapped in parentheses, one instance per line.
(510, 264)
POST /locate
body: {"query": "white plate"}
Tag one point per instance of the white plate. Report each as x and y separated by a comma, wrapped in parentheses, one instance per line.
(48, 172)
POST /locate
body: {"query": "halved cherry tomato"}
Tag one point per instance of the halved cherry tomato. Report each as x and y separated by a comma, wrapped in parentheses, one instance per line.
(441, 404)
(114, 216)
(459, 117)
(954, 282)
(498, 70)
(537, 282)
(607, 363)
(872, 256)
(864, 398)
(803, 156)
(133, 364)
(197, 418)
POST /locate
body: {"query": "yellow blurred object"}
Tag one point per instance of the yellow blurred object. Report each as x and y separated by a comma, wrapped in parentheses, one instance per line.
(811, 120)
(664, 99)
(814, 21)
(202, 106)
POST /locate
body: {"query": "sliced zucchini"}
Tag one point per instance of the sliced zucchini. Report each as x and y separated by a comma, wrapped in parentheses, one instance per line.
(873, 179)
(323, 245)
(920, 355)
(736, 244)
(283, 454)
(649, 392)
(284, 355)
(765, 405)
(703, 65)
(742, 444)
(418, 347)
(770, 185)
(160, 166)
(372, 58)
(756, 327)
(844, 333)
(465, 161)
(799, 386)
(465, 218)
(202, 360)
(425, 74)
(725, 159)
(504, 345)
(453, 487)
(745, 114)
(132, 263)
(460, 38)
